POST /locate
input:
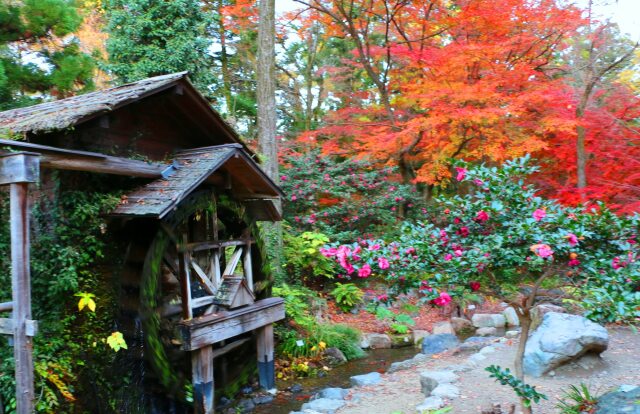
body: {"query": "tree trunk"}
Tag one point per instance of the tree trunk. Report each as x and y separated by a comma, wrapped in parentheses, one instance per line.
(267, 117)
(525, 324)
(581, 152)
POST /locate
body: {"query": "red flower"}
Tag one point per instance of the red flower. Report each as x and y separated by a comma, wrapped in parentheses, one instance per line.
(482, 216)
(572, 238)
(464, 231)
(443, 299)
(461, 173)
(475, 286)
(574, 263)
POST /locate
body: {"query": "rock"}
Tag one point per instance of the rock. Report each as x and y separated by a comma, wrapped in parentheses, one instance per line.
(262, 399)
(434, 344)
(460, 367)
(430, 403)
(246, 390)
(420, 357)
(371, 378)
(446, 391)
(245, 405)
(418, 336)
(461, 325)
(323, 405)
(511, 316)
(512, 334)
(488, 320)
(332, 393)
(619, 402)
(400, 341)
(295, 388)
(562, 338)
(475, 359)
(486, 331)
(429, 380)
(475, 343)
(627, 388)
(334, 356)
(400, 365)
(487, 350)
(538, 312)
(443, 328)
(375, 341)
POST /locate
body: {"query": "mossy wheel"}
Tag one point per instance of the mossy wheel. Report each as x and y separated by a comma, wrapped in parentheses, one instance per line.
(198, 219)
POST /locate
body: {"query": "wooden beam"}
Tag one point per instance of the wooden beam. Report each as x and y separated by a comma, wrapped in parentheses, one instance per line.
(65, 159)
(203, 278)
(185, 283)
(233, 262)
(169, 310)
(202, 376)
(266, 364)
(6, 306)
(7, 327)
(208, 245)
(209, 329)
(246, 265)
(229, 347)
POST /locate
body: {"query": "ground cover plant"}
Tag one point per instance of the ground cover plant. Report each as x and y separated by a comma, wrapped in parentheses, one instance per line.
(499, 238)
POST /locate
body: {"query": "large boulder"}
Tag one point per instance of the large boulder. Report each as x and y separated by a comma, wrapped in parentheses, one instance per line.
(375, 341)
(430, 380)
(371, 378)
(333, 356)
(538, 312)
(511, 316)
(623, 401)
(561, 338)
(489, 320)
(323, 405)
(462, 325)
(445, 327)
(434, 344)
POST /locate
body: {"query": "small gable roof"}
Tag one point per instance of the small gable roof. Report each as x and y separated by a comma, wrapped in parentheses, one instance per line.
(69, 112)
(190, 169)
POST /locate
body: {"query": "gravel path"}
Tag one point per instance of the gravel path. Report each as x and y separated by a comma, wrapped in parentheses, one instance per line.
(400, 391)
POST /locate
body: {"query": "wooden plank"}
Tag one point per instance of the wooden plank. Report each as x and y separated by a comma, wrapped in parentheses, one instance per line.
(209, 329)
(208, 245)
(21, 291)
(6, 326)
(6, 306)
(185, 283)
(203, 278)
(233, 262)
(169, 310)
(266, 364)
(202, 376)
(229, 347)
(246, 265)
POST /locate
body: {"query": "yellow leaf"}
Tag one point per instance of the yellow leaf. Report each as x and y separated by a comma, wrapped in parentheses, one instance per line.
(91, 305)
(81, 303)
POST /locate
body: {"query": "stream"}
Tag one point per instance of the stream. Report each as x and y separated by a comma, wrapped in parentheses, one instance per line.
(376, 360)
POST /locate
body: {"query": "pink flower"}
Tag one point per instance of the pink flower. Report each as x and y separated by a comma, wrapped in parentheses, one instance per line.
(364, 271)
(374, 247)
(383, 263)
(283, 178)
(542, 250)
(328, 252)
(574, 263)
(294, 198)
(456, 220)
(448, 257)
(457, 252)
(464, 231)
(383, 298)
(443, 299)
(482, 216)
(572, 238)
(478, 181)
(616, 263)
(410, 250)
(475, 286)
(461, 172)
(539, 214)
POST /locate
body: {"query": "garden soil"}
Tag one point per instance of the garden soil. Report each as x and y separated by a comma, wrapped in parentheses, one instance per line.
(400, 391)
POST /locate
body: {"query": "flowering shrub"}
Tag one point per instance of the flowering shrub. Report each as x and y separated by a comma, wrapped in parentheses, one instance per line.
(503, 240)
(344, 199)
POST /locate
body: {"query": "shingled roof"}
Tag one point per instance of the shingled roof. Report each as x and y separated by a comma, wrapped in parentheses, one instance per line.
(65, 113)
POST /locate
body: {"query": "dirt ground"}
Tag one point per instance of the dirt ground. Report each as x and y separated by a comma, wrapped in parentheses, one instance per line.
(400, 392)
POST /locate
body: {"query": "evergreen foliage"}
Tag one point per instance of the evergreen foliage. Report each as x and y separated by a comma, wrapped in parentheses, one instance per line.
(150, 38)
(38, 54)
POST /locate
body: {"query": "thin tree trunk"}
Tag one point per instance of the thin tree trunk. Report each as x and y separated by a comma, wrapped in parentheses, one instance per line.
(267, 117)
(525, 324)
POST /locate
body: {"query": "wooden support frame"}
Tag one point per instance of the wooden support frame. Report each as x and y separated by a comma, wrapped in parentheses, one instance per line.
(19, 170)
(266, 363)
(202, 377)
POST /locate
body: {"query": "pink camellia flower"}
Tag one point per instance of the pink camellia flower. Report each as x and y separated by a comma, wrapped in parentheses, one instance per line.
(383, 263)
(456, 220)
(364, 271)
(539, 214)
(443, 299)
(464, 231)
(328, 252)
(410, 250)
(478, 181)
(447, 211)
(383, 298)
(461, 172)
(572, 238)
(448, 257)
(283, 178)
(457, 252)
(482, 216)
(574, 263)
(374, 247)
(616, 263)
(542, 250)
(475, 286)
(294, 198)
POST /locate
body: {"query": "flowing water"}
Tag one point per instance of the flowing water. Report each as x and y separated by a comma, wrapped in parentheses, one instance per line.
(376, 360)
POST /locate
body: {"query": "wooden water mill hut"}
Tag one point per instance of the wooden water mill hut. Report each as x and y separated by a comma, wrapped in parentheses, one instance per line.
(193, 271)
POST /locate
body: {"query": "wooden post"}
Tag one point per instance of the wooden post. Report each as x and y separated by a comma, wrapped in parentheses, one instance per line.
(246, 264)
(266, 364)
(185, 282)
(19, 170)
(202, 376)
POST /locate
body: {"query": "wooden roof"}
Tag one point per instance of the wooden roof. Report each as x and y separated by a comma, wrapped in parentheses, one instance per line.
(75, 110)
(192, 168)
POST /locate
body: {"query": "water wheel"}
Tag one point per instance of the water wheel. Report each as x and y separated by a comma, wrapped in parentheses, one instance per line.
(188, 253)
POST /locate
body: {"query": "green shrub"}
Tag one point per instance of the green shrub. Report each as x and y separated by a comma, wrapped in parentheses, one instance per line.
(347, 295)
(303, 261)
(577, 400)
